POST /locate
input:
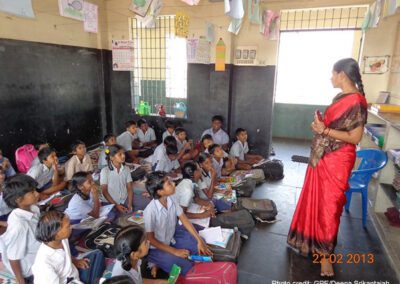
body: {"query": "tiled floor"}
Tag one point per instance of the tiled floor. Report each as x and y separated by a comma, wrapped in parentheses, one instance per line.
(266, 257)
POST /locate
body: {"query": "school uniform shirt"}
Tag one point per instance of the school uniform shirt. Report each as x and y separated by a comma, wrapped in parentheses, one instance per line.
(78, 208)
(134, 273)
(220, 137)
(165, 164)
(184, 192)
(74, 165)
(9, 172)
(218, 166)
(102, 159)
(54, 266)
(41, 173)
(203, 184)
(158, 154)
(116, 183)
(150, 135)
(35, 162)
(225, 153)
(19, 242)
(166, 134)
(180, 144)
(239, 150)
(161, 220)
(126, 139)
(4, 209)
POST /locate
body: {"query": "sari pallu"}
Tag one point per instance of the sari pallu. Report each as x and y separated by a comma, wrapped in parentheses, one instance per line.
(315, 223)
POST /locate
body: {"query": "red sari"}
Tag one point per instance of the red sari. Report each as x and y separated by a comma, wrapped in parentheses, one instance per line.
(315, 223)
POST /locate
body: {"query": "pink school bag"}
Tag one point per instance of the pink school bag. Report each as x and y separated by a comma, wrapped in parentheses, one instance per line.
(24, 156)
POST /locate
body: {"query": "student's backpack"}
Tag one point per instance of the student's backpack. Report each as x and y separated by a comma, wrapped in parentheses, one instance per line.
(263, 210)
(240, 219)
(145, 152)
(211, 273)
(232, 250)
(246, 188)
(102, 238)
(273, 170)
(24, 156)
(60, 203)
(138, 174)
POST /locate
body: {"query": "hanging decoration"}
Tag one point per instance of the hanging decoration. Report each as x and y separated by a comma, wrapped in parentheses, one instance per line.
(191, 2)
(140, 7)
(181, 25)
(149, 20)
(220, 56)
(254, 11)
(210, 32)
(270, 24)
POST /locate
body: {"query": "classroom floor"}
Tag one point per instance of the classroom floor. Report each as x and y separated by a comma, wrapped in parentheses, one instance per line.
(266, 257)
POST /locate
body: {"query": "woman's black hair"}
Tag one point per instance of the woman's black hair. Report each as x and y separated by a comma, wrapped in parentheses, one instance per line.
(107, 137)
(170, 140)
(44, 153)
(169, 124)
(110, 152)
(16, 187)
(179, 130)
(206, 137)
(212, 148)
(350, 67)
(48, 226)
(78, 179)
(203, 157)
(141, 122)
(75, 144)
(218, 118)
(172, 150)
(128, 240)
(129, 123)
(188, 169)
(120, 279)
(155, 181)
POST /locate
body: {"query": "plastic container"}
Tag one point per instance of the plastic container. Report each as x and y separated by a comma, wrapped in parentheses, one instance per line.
(180, 110)
(200, 258)
(144, 108)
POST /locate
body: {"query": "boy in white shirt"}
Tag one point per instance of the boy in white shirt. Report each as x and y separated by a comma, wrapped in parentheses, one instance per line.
(146, 134)
(169, 161)
(170, 129)
(18, 245)
(218, 134)
(79, 162)
(160, 150)
(240, 150)
(127, 140)
(185, 148)
(223, 167)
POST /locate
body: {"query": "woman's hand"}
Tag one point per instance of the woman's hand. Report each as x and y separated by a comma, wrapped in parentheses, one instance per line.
(317, 125)
(203, 249)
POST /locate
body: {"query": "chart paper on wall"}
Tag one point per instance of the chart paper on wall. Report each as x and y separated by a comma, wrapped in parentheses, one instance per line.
(123, 55)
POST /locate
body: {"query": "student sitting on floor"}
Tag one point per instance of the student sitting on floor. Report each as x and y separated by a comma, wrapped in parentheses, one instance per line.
(223, 166)
(54, 262)
(85, 201)
(206, 142)
(18, 245)
(47, 173)
(4, 209)
(218, 134)
(7, 167)
(208, 182)
(39, 145)
(169, 161)
(116, 180)
(185, 148)
(109, 140)
(160, 150)
(130, 246)
(121, 279)
(146, 134)
(240, 150)
(170, 129)
(79, 162)
(169, 243)
(185, 194)
(127, 139)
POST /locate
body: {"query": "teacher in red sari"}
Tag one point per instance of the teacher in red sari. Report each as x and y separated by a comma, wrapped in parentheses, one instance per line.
(315, 223)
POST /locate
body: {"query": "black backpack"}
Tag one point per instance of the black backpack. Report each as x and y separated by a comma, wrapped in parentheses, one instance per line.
(102, 238)
(263, 210)
(273, 170)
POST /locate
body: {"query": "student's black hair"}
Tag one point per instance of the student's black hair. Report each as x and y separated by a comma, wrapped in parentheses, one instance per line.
(239, 130)
(141, 122)
(129, 123)
(128, 240)
(78, 180)
(155, 181)
(169, 124)
(75, 144)
(206, 137)
(170, 140)
(217, 117)
(110, 152)
(38, 143)
(179, 130)
(49, 224)
(188, 169)
(172, 150)
(17, 186)
(212, 148)
(203, 157)
(44, 153)
(350, 67)
(120, 279)
(107, 137)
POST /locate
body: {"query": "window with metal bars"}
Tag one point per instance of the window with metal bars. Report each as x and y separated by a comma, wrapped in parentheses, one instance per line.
(160, 73)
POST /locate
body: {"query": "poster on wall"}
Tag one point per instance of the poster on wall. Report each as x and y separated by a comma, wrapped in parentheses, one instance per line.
(90, 23)
(123, 55)
(22, 8)
(71, 9)
(245, 55)
(140, 7)
(254, 11)
(149, 21)
(181, 25)
(220, 56)
(376, 64)
(198, 51)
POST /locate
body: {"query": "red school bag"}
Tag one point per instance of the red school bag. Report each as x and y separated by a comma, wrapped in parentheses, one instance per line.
(211, 273)
(24, 156)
